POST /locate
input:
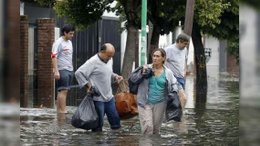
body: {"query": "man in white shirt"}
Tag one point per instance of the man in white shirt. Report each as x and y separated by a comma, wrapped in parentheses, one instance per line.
(61, 55)
(176, 56)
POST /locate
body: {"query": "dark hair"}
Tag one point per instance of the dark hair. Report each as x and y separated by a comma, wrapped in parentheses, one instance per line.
(163, 53)
(67, 28)
(183, 37)
(103, 47)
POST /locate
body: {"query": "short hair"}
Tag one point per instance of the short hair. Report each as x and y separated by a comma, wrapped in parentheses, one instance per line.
(163, 53)
(103, 48)
(183, 37)
(67, 28)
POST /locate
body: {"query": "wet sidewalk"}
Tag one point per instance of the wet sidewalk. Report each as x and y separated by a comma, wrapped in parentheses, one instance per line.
(215, 122)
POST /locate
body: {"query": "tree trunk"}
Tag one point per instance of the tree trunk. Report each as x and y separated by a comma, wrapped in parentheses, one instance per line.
(129, 56)
(200, 64)
(131, 8)
(149, 37)
(154, 42)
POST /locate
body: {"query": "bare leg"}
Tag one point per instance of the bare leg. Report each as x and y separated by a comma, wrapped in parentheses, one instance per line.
(183, 98)
(61, 101)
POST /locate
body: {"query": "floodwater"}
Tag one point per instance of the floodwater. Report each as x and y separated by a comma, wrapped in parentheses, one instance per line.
(214, 121)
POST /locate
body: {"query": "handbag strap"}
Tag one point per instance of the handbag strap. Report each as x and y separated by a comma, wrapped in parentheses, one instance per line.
(125, 85)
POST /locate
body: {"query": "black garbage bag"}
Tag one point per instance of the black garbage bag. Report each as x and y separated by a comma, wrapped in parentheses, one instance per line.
(85, 117)
(173, 109)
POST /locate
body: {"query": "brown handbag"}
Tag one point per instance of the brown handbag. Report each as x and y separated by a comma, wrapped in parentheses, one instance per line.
(125, 102)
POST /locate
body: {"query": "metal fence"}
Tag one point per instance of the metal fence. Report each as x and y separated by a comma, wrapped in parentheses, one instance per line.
(86, 44)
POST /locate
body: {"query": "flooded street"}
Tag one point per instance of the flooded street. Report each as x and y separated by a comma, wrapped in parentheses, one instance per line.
(213, 122)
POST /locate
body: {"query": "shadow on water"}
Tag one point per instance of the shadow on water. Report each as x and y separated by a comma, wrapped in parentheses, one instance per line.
(214, 120)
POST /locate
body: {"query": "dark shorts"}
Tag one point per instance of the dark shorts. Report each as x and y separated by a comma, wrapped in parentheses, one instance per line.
(181, 83)
(65, 80)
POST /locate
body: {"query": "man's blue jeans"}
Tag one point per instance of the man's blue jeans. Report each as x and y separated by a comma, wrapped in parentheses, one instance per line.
(181, 82)
(109, 109)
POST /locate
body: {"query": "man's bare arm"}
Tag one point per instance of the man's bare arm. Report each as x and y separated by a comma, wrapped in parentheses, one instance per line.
(55, 67)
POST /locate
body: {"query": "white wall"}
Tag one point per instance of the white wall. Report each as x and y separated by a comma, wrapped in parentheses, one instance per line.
(56, 33)
(21, 8)
(110, 14)
(165, 40)
(213, 63)
(190, 55)
(123, 44)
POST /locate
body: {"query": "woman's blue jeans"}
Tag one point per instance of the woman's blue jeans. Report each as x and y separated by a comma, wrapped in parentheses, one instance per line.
(109, 109)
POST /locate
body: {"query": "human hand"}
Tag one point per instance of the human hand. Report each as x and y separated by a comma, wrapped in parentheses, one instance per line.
(57, 75)
(145, 67)
(119, 79)
(88, 90)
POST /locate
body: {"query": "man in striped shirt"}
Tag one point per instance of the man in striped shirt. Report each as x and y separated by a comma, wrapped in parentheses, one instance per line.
(61, 55)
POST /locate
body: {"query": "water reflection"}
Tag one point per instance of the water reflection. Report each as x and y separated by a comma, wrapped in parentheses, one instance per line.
(213, 120)
(149, 140)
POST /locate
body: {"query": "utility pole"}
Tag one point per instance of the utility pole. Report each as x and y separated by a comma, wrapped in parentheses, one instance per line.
(189, 15)
(188, 25)
(143, 33)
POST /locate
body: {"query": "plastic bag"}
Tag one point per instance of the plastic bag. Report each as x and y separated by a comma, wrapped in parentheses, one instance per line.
(173, 109)
(85, 116)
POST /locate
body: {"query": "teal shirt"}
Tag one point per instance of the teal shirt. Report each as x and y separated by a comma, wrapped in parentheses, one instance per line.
(157, 88)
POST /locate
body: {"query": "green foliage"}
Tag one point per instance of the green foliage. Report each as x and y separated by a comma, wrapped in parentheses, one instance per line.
(128, 12)
(82, 13)
(166, 14)
(207, 13)
(220, 19)
(119, 11)
(45, 2)
(228, 28)
(233, 50)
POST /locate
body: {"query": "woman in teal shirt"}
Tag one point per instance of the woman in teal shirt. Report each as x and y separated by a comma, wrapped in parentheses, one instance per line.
(152, 93)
